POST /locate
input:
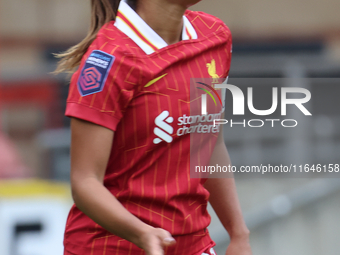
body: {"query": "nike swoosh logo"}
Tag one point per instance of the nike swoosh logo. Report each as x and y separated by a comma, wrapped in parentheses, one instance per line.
(154, 80)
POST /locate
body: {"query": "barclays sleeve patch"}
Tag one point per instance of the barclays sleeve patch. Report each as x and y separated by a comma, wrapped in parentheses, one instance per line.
(94, 73)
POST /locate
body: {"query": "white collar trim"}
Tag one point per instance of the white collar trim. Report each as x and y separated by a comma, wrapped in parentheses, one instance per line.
(131, 24)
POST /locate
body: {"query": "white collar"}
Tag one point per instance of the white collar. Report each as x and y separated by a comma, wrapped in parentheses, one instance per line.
(131, 24)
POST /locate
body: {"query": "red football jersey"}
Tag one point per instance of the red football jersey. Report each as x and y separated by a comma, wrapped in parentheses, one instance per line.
(132, 82)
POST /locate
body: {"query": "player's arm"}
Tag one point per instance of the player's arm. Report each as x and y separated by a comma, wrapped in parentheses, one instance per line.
(90, 151)
(224, 200)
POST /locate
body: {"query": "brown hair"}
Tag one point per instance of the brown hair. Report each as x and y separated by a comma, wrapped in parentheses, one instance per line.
(102, 11)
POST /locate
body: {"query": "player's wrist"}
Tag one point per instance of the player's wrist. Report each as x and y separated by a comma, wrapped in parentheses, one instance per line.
(152, 239)
(141, 234)
(239, 234)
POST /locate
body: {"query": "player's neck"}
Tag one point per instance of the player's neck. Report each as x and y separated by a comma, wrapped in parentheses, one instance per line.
(165, 18)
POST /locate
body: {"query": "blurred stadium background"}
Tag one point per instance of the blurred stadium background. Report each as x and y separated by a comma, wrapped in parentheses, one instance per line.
(272, 39)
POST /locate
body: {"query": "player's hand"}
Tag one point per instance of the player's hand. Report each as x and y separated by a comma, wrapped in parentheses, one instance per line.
(154, 240)
(239, 246)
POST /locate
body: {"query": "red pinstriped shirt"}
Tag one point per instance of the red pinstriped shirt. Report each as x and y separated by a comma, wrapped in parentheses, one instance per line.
(132, 82)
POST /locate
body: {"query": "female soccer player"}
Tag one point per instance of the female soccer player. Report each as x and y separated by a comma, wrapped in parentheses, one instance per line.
(130, 162)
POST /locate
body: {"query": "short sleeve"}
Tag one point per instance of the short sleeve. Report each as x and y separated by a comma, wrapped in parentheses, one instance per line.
(99, 92)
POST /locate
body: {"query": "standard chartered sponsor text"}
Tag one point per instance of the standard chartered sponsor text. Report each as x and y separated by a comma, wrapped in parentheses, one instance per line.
(195, 126)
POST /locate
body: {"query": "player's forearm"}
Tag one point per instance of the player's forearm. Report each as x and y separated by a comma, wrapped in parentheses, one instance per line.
(223, 196)
(91, 197)
(223, 199)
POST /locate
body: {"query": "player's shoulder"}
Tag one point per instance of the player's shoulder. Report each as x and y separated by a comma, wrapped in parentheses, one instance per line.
(206, 23)
(112, 41)
(110, 46)
(108, 56)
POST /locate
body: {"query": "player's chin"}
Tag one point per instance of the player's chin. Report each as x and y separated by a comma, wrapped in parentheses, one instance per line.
(192, 2)
(186, 3)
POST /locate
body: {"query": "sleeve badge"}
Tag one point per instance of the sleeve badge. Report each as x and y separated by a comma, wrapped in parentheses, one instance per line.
(94, 73)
